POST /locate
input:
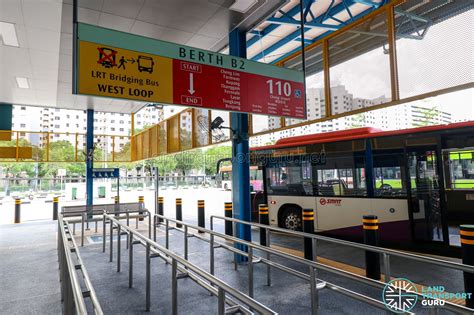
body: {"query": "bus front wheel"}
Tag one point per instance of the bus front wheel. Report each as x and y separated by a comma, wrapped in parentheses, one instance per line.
(291, 219)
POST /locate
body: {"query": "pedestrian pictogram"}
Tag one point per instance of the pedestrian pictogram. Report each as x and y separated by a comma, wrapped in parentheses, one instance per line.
(122, 63)
(107, 57)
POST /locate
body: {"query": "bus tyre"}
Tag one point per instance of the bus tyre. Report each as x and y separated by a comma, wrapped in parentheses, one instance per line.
(291, 219)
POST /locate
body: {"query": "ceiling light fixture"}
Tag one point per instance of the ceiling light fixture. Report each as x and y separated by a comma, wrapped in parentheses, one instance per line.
(22, 83)
(8, 34)
(242, 5)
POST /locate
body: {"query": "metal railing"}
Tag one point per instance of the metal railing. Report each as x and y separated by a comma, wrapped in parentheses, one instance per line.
(72, 293)
(313, 267)
(386, 253)
(128, 214)
(224, 292)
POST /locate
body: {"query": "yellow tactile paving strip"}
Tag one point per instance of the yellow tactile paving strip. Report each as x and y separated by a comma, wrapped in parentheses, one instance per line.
(349, 268)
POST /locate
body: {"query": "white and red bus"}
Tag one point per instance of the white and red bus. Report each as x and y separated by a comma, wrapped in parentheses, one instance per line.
(256, 179)
(419, 182)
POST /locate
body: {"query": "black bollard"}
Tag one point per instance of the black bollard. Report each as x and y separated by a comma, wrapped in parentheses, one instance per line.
(228, 214)
(201, 215)
(55, 207)
(179, 211)
(467, 247)
(160, 208)
(371, 237)
(308, 227)
(141, 206)
(17, 210)
(263, 219)
(117, 205)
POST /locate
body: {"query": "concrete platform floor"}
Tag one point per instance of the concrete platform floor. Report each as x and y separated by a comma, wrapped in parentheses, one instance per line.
(29, 282)
(29, 278)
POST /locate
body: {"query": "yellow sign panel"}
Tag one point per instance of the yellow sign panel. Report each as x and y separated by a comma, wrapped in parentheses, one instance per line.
(121, 73)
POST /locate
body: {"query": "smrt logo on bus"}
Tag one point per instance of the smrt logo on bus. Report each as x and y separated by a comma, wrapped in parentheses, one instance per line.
(328, 201)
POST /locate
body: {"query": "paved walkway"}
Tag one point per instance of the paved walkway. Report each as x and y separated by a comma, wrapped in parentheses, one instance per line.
(29, 279)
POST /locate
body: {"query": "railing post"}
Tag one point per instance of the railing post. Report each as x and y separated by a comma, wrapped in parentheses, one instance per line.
(111, 241)
(314, 290)
(179, 211)
(201, 215)
(263, 219)
(372, 259)
(103, 233)
(119, 245)
(250, 270)
(83, 219)
(308, 227)
(228, 214)
(130, 260)
(467, 246)
(161, 202)
(17, 210)
(211, 254)
(185, 242)
(269, 268)
(55, 207)
(167, 243)
(148, 278)
(220, 301)
(174, 286)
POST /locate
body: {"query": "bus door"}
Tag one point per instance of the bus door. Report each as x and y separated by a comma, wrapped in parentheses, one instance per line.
(424, 195)
(258, 193)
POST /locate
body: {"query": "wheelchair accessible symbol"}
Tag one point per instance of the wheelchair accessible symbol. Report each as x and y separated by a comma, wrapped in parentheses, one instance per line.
(297, 93)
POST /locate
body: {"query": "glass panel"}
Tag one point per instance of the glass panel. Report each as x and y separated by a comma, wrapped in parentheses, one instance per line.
(201, 127)
(221, 135)
(360, 67)
(461, 169)
(425, 203)
(186, 130)
(389, 175)
(423, 62)
(291, 178)
(162, 136)
(173, 134)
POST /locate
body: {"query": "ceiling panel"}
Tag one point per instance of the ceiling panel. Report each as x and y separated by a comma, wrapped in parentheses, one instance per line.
(127, 8)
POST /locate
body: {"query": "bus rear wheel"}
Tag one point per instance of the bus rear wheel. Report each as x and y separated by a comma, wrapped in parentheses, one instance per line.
(291, 219)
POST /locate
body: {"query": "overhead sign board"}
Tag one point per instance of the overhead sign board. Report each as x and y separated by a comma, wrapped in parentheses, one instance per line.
(122, 65)
(105, 173)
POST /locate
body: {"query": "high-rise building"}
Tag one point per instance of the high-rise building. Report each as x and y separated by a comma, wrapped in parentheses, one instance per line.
(70, 125)
(391, 118)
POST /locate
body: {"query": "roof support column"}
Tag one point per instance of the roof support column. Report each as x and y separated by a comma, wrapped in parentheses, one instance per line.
(240, 154)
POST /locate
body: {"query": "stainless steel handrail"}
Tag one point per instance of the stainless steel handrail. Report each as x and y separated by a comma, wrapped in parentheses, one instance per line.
(222, 287)
(380, 250)
(71, 290)
(312, 264)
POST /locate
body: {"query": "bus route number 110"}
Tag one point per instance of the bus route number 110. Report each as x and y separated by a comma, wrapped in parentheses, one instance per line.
(282, 88)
